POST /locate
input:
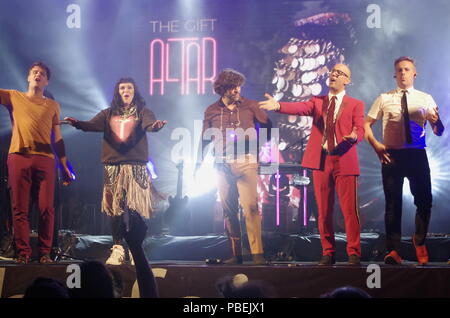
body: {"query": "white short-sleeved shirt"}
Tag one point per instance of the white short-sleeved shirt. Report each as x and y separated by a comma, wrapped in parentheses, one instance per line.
(388, 107)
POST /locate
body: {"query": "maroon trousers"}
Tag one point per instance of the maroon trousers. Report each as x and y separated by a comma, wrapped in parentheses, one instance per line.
(35, 172)
(326, 182)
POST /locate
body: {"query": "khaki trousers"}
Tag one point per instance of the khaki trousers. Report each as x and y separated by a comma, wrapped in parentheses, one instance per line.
(237, 185)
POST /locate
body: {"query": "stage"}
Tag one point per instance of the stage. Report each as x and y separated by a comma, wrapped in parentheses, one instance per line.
(278, 247)
(179, 265)
(283, 280)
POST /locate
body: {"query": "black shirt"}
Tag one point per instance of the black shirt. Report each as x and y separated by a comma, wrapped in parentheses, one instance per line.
(133, 149)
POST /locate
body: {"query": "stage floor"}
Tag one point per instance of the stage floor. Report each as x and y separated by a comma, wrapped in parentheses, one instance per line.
(177, 279)
(178, 262)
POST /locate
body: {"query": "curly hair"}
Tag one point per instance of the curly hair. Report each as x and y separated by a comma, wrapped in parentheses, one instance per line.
(43, 66)
(117, 102)
(228, 79)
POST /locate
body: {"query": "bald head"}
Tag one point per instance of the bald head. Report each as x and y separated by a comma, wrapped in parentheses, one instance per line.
(340, 76)
(344, 68)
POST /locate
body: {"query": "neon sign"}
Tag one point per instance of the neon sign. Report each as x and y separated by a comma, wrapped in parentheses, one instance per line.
(187, 63)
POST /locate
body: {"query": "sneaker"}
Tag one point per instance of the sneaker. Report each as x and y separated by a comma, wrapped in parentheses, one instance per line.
(117, 256)
(393, 258)
(128, 258)
(421, 253)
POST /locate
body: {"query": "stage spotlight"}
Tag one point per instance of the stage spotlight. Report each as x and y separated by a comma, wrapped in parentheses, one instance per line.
(201, 180)
(188, 7)
(440, 174)
(151, 169)
(406, 189)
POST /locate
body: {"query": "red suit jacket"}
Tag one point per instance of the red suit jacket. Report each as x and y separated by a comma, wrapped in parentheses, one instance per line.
(351, 115)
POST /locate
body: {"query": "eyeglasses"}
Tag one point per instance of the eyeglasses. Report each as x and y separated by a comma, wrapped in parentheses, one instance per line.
(339, 73)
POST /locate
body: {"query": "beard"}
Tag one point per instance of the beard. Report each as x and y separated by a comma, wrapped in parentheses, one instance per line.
(233, 98)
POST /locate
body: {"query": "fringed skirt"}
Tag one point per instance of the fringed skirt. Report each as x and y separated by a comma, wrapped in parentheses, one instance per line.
(128, 186)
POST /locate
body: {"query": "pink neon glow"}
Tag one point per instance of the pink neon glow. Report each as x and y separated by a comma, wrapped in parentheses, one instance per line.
(183, 59)
(213, 63)
(168, 78)
(277, 176)
(199, 64)
(152, 57)
(205, 63)
(305, 199)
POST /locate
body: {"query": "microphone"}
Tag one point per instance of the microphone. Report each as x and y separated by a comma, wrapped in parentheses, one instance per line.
(65, 122)
(237, 102)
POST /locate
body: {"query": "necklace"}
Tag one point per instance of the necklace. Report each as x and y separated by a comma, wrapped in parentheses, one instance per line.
(126, 112)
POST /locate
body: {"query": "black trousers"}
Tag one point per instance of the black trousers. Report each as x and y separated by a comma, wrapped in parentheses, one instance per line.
(120, 224)
(412, 164)
(117, 229)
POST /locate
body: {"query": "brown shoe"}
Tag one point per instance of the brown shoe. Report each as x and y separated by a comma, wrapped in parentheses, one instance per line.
(23, 259)
(354, 260)
(258, 259)
(45, 259)
(235, 260)
(327, 260)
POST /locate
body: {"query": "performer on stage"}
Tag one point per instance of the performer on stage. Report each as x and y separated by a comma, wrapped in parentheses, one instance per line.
(331, 153)
(127, 184)
(236, 160)
(404, 112)
(36, 138)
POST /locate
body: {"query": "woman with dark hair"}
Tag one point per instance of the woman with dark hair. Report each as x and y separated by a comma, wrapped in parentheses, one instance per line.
(127, 186)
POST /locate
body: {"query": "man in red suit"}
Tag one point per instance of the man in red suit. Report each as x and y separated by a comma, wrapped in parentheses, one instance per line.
(338, 121)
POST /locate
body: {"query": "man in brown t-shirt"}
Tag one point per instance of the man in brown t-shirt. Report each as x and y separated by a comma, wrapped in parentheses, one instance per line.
(36, 136)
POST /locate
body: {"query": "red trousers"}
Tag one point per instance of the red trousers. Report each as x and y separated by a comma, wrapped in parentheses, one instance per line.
(325, 184)
(27, 172)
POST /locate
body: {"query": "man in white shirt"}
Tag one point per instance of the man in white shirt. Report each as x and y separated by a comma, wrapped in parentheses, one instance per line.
(404, 113)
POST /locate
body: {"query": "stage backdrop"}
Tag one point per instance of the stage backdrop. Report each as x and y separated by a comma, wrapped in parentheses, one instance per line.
(174, 50)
